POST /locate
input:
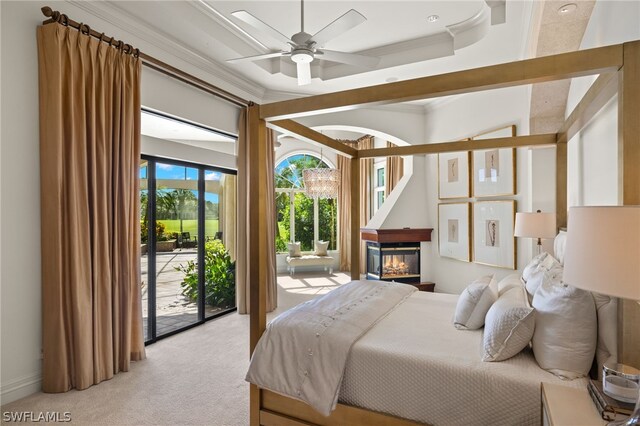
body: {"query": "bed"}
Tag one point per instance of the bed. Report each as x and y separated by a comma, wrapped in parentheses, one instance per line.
(412, 364)
(377, 391)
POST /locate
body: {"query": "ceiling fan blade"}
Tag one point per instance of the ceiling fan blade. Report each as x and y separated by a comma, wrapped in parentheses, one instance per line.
(348, 58)
(257, 57)
(256, 23)
(343, 24)
(304, 73)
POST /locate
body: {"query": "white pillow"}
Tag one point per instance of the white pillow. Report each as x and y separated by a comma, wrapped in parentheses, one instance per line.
(321, 248)
(473, 304)
(548, 267)
(531, 266)
(559, 244)
(294, 249)
(564, 341)
(509, 326)
(509, 282)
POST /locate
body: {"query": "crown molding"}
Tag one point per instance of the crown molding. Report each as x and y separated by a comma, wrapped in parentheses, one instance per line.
(114, 15)
(436, 103)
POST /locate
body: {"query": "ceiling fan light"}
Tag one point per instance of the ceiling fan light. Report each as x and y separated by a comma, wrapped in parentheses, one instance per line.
(301, 56)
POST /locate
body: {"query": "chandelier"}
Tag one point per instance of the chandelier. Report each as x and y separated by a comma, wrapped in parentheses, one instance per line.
(321, 182)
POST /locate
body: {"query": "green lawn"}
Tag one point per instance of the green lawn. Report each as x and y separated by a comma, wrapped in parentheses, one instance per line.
(190, 226)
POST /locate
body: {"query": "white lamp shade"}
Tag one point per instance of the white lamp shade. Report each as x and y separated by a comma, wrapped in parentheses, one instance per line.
(603, 250)
(535, 225)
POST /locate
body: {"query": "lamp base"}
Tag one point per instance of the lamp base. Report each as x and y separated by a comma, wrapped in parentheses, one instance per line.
(634, 419)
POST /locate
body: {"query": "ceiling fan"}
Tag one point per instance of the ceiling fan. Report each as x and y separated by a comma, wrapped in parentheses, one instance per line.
(305, 48)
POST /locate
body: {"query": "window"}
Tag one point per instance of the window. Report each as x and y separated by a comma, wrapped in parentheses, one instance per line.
(300, 218)
(378, 186)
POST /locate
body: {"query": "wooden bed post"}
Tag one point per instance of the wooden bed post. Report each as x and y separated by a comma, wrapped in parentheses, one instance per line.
(257, 152)
(629, 175)
(355, 218)
(561, 184)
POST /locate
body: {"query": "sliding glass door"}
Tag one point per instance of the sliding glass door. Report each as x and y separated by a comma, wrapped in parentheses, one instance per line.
(180, 203)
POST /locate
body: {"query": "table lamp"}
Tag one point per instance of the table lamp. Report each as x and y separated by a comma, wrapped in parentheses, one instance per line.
(535, 225)
(603, 255)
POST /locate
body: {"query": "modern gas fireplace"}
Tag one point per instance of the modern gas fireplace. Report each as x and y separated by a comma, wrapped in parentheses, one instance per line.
(394, 254)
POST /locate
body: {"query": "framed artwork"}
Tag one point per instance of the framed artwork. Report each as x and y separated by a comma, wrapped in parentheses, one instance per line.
(494, 170)
(453, 175)
(493, 240)
(453, 231)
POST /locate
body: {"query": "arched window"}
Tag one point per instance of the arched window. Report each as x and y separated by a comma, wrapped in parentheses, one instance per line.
(299, 217)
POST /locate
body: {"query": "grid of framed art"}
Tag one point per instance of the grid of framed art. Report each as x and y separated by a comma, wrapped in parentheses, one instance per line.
(480, 230)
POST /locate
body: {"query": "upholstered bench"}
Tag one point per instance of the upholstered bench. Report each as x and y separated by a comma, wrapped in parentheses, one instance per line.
(309, 260)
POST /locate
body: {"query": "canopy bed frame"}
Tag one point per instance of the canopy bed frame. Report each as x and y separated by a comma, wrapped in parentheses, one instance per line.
(618, 67)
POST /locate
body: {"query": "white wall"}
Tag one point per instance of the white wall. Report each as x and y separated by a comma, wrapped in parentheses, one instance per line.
(460, 117)
(593, 173)
(20, 321)
(403, 125)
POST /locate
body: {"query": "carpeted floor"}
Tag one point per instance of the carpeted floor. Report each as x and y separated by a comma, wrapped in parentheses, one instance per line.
(195, 377)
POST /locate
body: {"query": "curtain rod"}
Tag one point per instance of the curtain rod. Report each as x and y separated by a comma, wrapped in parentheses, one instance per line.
(147, 60)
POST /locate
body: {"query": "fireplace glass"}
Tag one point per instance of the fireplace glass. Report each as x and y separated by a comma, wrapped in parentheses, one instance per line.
(393, 263)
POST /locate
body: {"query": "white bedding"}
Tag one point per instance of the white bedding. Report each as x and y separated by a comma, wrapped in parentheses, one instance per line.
(303, 352)
(415, 364)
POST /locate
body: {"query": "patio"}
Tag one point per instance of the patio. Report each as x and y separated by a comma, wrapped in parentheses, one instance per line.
(173, 310)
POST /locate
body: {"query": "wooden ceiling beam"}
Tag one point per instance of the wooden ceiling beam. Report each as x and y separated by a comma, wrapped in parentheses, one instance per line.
(600, 92)
(537, 70)
(466, 145)
(306, 134)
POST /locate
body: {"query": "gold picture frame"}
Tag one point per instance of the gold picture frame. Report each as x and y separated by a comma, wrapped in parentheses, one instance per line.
(494, 170)
(454, 230)
(454, 177)
(493, 240)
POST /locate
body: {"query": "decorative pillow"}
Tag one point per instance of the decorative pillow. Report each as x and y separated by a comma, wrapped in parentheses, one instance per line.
(607, 345)
(509, 326)
(559, 244)
(549, 268)
(473, 304)
(294, 249)
(564, 341)
(531, 266)
(509, 282)
(321, 248)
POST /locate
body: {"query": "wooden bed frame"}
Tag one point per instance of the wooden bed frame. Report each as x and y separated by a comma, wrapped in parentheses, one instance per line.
(618, 67)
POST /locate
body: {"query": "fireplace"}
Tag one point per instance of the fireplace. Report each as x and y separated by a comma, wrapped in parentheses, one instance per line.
(394, 254)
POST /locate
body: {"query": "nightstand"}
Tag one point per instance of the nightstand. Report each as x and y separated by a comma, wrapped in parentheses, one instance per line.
(565, 406)
(426, 286)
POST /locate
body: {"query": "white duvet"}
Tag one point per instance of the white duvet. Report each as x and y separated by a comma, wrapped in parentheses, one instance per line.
(415, 364)
(412, 363)
(303, 352)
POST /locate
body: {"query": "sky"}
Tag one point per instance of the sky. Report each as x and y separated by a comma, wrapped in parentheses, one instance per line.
(171, 172)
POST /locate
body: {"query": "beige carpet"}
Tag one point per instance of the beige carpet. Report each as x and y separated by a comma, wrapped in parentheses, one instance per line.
(194, 378)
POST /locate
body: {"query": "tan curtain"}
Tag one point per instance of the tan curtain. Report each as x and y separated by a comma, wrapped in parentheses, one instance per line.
(344, 201)
(89, 162)
(344, 212)
(227, 213)
(395, 171)
(242, 248)
(366, 170)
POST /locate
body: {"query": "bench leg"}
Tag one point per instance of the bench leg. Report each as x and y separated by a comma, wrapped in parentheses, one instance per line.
(331, 270)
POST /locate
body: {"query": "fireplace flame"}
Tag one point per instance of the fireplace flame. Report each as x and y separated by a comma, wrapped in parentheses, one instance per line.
(395, 266)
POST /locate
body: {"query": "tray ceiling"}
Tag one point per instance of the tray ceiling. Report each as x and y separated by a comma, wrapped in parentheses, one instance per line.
(468, 34)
